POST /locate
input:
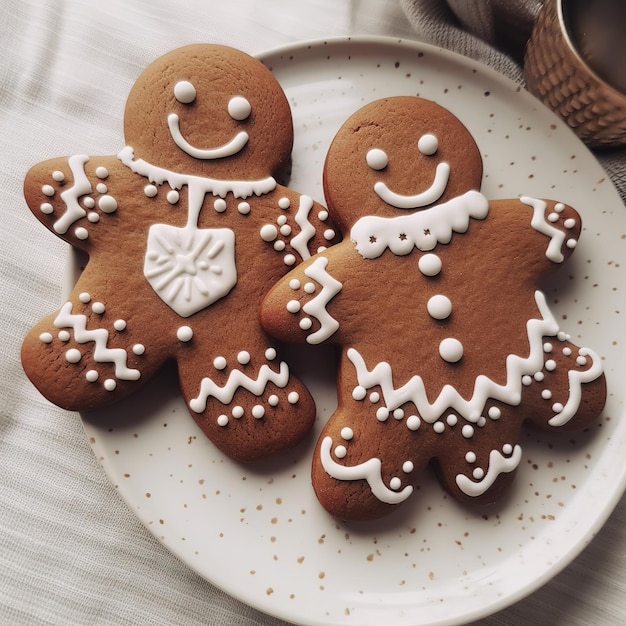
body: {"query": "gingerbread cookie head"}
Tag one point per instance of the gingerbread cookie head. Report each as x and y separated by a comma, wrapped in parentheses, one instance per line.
(186, 228)
(402, 154)
(211, 111)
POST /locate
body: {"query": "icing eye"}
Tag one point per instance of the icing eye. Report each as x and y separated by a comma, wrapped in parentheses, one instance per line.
(377, 159)
(428, 144)
(184, 92)
(239, 108)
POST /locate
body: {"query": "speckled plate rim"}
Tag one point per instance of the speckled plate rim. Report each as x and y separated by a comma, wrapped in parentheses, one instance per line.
(393, 608)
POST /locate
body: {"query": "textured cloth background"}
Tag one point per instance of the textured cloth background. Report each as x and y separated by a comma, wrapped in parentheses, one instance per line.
(71, 552)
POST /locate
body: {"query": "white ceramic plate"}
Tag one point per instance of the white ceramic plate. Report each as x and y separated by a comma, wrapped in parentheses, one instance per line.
(258, 532)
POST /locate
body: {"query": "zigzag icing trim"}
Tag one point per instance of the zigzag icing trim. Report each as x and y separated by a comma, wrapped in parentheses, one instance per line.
(70, 196)
(317, 306)
(236, 380)
(300, 243)
(498, 464)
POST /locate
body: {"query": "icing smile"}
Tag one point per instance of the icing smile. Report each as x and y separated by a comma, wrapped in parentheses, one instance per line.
(430, 195)
(235, 145)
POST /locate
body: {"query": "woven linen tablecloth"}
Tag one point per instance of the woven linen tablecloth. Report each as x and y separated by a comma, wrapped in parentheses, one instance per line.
(71, 552)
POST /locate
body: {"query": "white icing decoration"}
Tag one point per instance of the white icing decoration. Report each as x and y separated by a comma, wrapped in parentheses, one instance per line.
(237, 412)
(258, 411)
(243, 357)
(222, 420)
(293, 397)
(268, 232)
(70, 196)
(428, 144)
(110, 384)
(300, 243)
(235, 145)
(150, 191)
(317, 306)
(73, 355)
(369, 470)
(539, 223)
(98, 307)
(219, 362)
(429, 264)
(439, 307)
(377, 159)
(184, 92)
(284, 203)
(138, 349)
(46, 337)
(46, 208)
(100, 337)
(92, 376)
(173, 196)
(101, 188)
(243, 208)
(48, 190)
(119, 325)
(219, 205)
(430, 195)
(81, 233)
(190, 268)
(107, 204)
(239, 108)
(451, 350)
(237, 379)
(423, 230)
(58, 175)
(184, 334)
(498, 464)
(289, 259)
(102, 172)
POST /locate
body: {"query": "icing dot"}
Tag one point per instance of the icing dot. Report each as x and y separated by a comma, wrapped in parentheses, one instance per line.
(92, 376)
(239, 108)
(184, 333)
(494, 413)
(347, 433)
(481, 421)
(539, 376)
(478, 473)
(139, 349)
(398, 414)
(46, 208)
(507, 448)
(322, 216)
(98, 307)
(395, 483)
(73, 355)
(58, 176)
(285, 230)
(119, 324)
(376, 159)
(557, 407)
(581, 360)
(553, 217)
(101, 188)
(429, 264)
(439, 427)
(374, 397)
(452, 419)
(451, 350)
(382, 414)
(273, 400)
(237, 412)
(569, 223)
(45, 337)
(293, 306)
(220, 205)
(407, 467)
(340, 452)
(173, 196)
(558, 207)
(243, 357)
(47, 190)
(546, 394)
(243, 208)
(547, 347)
(81, 233)
(359, 393)
(270, 354)
(150, 191)
(571, 243)
(413, 422)
(258, 411)
(289, 259)
(64, 335)
(550, 365)
(94, 218)
(567, 351)
(279, 246)
(309, 288)
(281, 219)
(102, 172)
(184, 92)
(305, 323)
(294, 283)
(293, 397)
(526, 380)
(284, 203)
(108, 204)
(428, 144)
(439, 307)
(470, 457)
(467, 431)
(110, 384)
(329, 234)
(269, 232)
(222, 420)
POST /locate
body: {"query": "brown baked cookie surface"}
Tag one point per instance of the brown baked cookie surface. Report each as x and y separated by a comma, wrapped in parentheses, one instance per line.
(185, 229)
(447, 344)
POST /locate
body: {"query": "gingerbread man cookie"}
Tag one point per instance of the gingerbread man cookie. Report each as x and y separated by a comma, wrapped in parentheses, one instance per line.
(447, 344)
(185, 229)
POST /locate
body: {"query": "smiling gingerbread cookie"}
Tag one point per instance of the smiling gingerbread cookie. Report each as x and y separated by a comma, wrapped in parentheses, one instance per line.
(186, 229)
(448, 345)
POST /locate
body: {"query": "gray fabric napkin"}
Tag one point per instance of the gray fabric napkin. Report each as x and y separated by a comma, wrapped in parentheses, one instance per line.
(493, 32)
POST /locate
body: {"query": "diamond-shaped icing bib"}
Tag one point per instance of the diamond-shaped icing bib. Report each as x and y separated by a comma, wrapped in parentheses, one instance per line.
(190, 268)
